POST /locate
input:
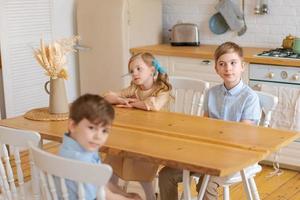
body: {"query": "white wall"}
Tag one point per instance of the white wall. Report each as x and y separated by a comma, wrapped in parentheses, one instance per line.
(63, 27)
(263, 30)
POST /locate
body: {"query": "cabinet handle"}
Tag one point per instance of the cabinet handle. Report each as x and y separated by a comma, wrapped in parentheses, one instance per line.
(206, 62)
(257, 87)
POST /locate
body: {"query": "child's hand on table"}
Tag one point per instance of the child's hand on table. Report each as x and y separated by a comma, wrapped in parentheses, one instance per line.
(126, 102)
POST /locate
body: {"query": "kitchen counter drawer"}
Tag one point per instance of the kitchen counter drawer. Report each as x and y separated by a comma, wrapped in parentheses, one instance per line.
(194, 68)
(203, 69)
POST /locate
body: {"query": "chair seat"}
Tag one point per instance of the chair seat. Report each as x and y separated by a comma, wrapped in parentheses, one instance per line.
(236, 177)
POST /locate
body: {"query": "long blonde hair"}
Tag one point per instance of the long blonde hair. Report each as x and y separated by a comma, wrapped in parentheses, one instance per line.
(162, 79)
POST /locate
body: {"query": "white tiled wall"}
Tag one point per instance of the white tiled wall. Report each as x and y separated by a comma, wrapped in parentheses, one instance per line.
(263, 30)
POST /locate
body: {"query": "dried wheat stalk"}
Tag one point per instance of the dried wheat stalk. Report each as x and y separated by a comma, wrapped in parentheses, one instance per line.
(52, 57)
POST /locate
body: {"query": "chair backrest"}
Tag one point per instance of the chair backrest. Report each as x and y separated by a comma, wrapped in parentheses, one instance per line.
(11, 141)
(49, 165)
(189, 95)
(268, 103)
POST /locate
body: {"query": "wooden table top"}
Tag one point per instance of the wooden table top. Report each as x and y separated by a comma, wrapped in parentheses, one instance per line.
(198, 144)
(205, 129)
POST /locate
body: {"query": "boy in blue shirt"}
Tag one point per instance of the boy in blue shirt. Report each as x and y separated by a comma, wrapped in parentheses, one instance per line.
(230, 101)
(90, 120)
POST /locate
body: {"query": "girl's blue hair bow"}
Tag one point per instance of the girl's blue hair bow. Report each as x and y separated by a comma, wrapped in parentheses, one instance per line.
(158, 67)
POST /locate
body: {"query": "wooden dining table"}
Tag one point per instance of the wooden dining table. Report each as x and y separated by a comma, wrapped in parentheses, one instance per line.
(198, 144)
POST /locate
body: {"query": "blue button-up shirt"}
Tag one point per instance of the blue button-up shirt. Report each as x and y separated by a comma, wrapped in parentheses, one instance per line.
(71, 149)
(237, 104)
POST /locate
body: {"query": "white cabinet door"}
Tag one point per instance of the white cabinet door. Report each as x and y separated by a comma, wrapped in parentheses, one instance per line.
(203, 69)
(22, 25)
(164, 61)
(194, 68)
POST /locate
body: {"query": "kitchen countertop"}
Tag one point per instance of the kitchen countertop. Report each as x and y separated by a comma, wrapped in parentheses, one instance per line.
(206, 52)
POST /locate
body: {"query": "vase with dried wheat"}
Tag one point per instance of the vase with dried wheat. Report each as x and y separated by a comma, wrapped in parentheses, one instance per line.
(52, 57)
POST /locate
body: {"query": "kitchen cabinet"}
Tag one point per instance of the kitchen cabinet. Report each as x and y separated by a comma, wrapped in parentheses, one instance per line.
(164, 61)
(194, 68)
(206, 51)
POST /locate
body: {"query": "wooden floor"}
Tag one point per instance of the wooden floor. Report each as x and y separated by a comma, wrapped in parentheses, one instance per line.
(283, 187)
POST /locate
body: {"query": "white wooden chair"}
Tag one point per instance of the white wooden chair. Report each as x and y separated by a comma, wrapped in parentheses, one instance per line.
(268, 103)
(11, 141)
(189, 96)
(49, 165)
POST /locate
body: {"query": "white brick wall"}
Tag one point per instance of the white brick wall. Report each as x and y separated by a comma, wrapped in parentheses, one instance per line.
(263, 30)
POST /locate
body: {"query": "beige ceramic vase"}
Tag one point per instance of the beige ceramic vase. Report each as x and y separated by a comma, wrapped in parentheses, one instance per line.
(58, 102)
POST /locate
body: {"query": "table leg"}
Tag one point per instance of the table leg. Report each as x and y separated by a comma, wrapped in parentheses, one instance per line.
(246, 185)
(186, 184)
(203, 186)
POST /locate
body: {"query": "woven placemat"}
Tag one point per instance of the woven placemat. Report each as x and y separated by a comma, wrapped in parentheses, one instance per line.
(42, 114)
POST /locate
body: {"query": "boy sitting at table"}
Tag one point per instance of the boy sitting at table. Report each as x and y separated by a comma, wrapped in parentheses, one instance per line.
(231, 101)
(90, 120)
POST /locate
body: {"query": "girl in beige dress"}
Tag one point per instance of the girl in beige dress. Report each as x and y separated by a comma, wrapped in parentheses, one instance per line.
(149, 90)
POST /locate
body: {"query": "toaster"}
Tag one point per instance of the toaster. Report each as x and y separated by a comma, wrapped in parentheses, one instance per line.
(185, 34)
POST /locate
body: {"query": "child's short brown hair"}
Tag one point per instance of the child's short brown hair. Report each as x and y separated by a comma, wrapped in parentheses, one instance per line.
(228, 47)
(93, 108)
